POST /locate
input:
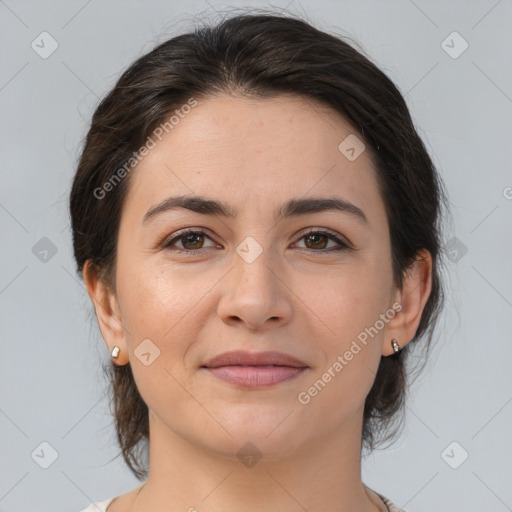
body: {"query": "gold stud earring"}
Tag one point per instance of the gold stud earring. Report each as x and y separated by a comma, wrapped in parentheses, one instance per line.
(396, 346)
(115, 352)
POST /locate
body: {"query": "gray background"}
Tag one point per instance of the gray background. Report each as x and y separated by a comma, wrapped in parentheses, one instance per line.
(50, 377)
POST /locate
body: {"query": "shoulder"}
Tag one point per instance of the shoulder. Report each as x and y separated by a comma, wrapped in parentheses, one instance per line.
(98, 506)
(389, 504)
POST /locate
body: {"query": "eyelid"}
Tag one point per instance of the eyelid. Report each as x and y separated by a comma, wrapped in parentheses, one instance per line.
(325, 231)
(181, 233)
(343, 243)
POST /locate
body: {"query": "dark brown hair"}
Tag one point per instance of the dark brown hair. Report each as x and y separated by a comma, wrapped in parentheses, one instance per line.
(261, 55)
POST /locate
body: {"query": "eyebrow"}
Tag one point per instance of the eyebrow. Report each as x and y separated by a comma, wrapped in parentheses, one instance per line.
(293, 207)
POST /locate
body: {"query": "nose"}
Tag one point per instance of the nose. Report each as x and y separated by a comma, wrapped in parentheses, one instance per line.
(255, 294)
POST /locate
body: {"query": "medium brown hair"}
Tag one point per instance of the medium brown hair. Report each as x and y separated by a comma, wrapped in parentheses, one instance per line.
(262, 55)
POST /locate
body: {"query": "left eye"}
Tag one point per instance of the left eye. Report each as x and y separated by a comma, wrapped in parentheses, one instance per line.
(321, 238)
(192, 239)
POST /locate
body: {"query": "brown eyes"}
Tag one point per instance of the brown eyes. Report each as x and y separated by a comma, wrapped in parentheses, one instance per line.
(193, 239)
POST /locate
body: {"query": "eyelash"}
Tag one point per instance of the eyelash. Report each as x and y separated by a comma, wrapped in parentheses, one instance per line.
(200, 231)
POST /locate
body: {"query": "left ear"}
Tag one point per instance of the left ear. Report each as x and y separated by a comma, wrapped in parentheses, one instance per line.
(413, 297)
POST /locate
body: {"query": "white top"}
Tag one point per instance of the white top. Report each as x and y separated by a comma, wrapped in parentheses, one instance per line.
(101, 506)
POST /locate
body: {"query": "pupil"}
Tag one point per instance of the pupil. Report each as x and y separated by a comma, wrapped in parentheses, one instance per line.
(315, 239)
(190, 237)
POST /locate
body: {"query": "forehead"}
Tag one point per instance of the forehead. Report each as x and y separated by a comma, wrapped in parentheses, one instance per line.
(255, 153)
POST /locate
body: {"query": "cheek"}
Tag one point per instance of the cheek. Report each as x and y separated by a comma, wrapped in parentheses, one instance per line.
(353, 301)
(352, 353)
(341, 384)
(353, 309)
(168, 307)
(156, 299)
(161, 310)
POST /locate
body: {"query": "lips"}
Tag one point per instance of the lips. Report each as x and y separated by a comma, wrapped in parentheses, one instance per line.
(242, 358)
(254, 370)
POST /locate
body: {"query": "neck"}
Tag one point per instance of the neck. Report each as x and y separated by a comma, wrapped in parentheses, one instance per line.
(322, 476)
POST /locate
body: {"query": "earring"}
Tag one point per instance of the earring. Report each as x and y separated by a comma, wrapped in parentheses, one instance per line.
(115, 352)
(396, 346)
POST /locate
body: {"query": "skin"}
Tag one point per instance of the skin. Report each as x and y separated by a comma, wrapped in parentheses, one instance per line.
(254, 155)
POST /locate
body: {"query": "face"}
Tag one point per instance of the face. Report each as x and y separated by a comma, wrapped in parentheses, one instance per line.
(306, 283)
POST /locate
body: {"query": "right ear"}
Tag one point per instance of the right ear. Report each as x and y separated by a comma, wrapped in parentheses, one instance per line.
(108, 312)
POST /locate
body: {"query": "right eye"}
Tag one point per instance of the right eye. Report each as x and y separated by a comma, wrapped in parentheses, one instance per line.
(191, 237)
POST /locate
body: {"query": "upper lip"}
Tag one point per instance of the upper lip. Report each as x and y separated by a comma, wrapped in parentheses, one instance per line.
(243, 358)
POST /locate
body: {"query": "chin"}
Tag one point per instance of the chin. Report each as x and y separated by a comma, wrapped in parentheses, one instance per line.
(252, 447)
(273, 431)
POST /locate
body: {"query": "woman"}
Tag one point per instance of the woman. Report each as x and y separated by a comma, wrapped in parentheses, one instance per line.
(257, 223)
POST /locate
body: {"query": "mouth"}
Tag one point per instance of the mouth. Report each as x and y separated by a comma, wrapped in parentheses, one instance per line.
(254, 370)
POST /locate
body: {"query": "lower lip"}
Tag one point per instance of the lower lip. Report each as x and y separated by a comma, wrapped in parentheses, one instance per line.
(255, 376)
